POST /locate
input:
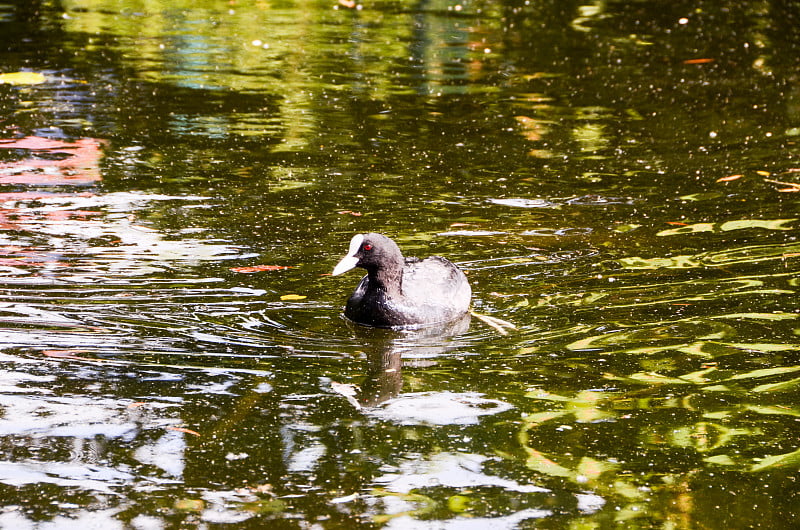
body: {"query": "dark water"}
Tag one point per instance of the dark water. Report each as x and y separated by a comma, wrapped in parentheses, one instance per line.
(619, 180)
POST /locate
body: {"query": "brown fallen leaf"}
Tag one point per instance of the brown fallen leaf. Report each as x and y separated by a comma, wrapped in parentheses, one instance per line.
(702, 60)
(729, 178)
(182, 429)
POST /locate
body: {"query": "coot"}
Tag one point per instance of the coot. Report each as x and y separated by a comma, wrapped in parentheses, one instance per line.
(402, 292)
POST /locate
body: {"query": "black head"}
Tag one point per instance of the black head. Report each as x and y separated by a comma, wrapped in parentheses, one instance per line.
(372, 252)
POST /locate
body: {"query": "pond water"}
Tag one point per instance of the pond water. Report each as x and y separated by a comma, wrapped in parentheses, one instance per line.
(619, 180)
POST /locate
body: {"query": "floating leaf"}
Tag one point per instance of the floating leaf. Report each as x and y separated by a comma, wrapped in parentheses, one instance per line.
(350, 212)
(260, 268)
(184, 430)
(763, 173)
(701, 60)
(22, 78)
(293, 297)
(729, 178)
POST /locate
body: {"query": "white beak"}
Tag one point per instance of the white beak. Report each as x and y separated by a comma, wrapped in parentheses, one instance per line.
(347, 263)
(350, 261)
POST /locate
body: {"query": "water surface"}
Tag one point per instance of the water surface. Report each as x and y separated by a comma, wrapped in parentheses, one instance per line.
(618, 180)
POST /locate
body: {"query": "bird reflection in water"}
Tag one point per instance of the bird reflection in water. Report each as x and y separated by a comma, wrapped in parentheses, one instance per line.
(389, 350)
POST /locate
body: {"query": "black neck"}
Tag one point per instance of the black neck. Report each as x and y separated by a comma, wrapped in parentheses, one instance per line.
(387, 279)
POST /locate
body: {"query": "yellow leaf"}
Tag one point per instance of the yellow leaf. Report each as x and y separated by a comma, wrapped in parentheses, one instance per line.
(293, 297)
(22, 78)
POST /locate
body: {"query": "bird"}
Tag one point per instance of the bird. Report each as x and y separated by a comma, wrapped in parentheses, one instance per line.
(399, 292)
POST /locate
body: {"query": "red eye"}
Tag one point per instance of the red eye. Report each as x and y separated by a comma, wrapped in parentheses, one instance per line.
(367, 247)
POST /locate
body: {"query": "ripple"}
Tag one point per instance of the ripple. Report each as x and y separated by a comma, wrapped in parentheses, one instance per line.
(439, 408)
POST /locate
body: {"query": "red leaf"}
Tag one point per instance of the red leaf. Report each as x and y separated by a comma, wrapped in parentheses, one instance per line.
(260, 268)
(181, 429)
